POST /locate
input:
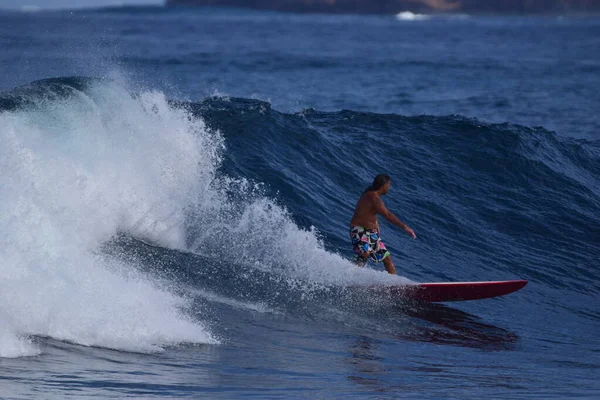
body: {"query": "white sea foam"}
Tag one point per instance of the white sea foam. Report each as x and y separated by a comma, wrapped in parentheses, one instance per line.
(409, 16)
(74, 172)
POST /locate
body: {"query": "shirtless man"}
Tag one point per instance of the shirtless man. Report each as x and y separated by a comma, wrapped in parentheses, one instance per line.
(364, 227)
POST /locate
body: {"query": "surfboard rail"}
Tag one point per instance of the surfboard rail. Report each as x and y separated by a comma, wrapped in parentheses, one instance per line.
(460, 291)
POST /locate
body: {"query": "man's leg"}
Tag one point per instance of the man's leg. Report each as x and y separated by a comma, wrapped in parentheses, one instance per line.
(389, 265)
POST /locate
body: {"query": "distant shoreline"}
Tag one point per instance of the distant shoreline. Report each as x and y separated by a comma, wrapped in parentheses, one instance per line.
(392, 7)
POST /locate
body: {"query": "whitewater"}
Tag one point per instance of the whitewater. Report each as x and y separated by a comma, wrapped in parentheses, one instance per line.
(75, 172)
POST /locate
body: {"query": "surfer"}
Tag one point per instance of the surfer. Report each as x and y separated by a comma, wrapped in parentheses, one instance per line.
(364, 227)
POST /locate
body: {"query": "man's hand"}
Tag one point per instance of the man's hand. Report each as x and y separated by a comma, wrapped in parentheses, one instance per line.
(411, 232)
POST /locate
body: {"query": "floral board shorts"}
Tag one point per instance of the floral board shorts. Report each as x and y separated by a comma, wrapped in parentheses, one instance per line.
(367, 244)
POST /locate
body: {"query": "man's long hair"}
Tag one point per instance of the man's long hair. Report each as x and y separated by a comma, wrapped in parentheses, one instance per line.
(378, 182)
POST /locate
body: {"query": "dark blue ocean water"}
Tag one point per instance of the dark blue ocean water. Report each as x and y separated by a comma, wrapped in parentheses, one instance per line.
(176, 186)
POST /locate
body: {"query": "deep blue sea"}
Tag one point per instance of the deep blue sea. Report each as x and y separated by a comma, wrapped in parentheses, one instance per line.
(176, 187)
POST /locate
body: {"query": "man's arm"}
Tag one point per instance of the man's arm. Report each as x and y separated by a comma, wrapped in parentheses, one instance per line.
(387, 214)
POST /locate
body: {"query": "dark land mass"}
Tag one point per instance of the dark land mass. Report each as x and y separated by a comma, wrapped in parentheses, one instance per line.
(416, 6)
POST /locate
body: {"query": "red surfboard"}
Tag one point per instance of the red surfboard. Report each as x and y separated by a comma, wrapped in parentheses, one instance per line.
(456, 291)
(439, 292)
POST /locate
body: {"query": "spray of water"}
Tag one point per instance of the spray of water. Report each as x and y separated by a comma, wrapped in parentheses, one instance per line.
(77, 169)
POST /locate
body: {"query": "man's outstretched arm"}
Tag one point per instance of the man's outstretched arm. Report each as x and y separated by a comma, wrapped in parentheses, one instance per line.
(387, 214)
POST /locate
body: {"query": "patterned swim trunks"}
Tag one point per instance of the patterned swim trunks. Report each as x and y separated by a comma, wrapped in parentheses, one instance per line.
(367, 244)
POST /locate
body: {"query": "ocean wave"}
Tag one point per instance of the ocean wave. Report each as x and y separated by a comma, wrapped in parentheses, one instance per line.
(495, 199)
(86, 159)
(251, 205)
